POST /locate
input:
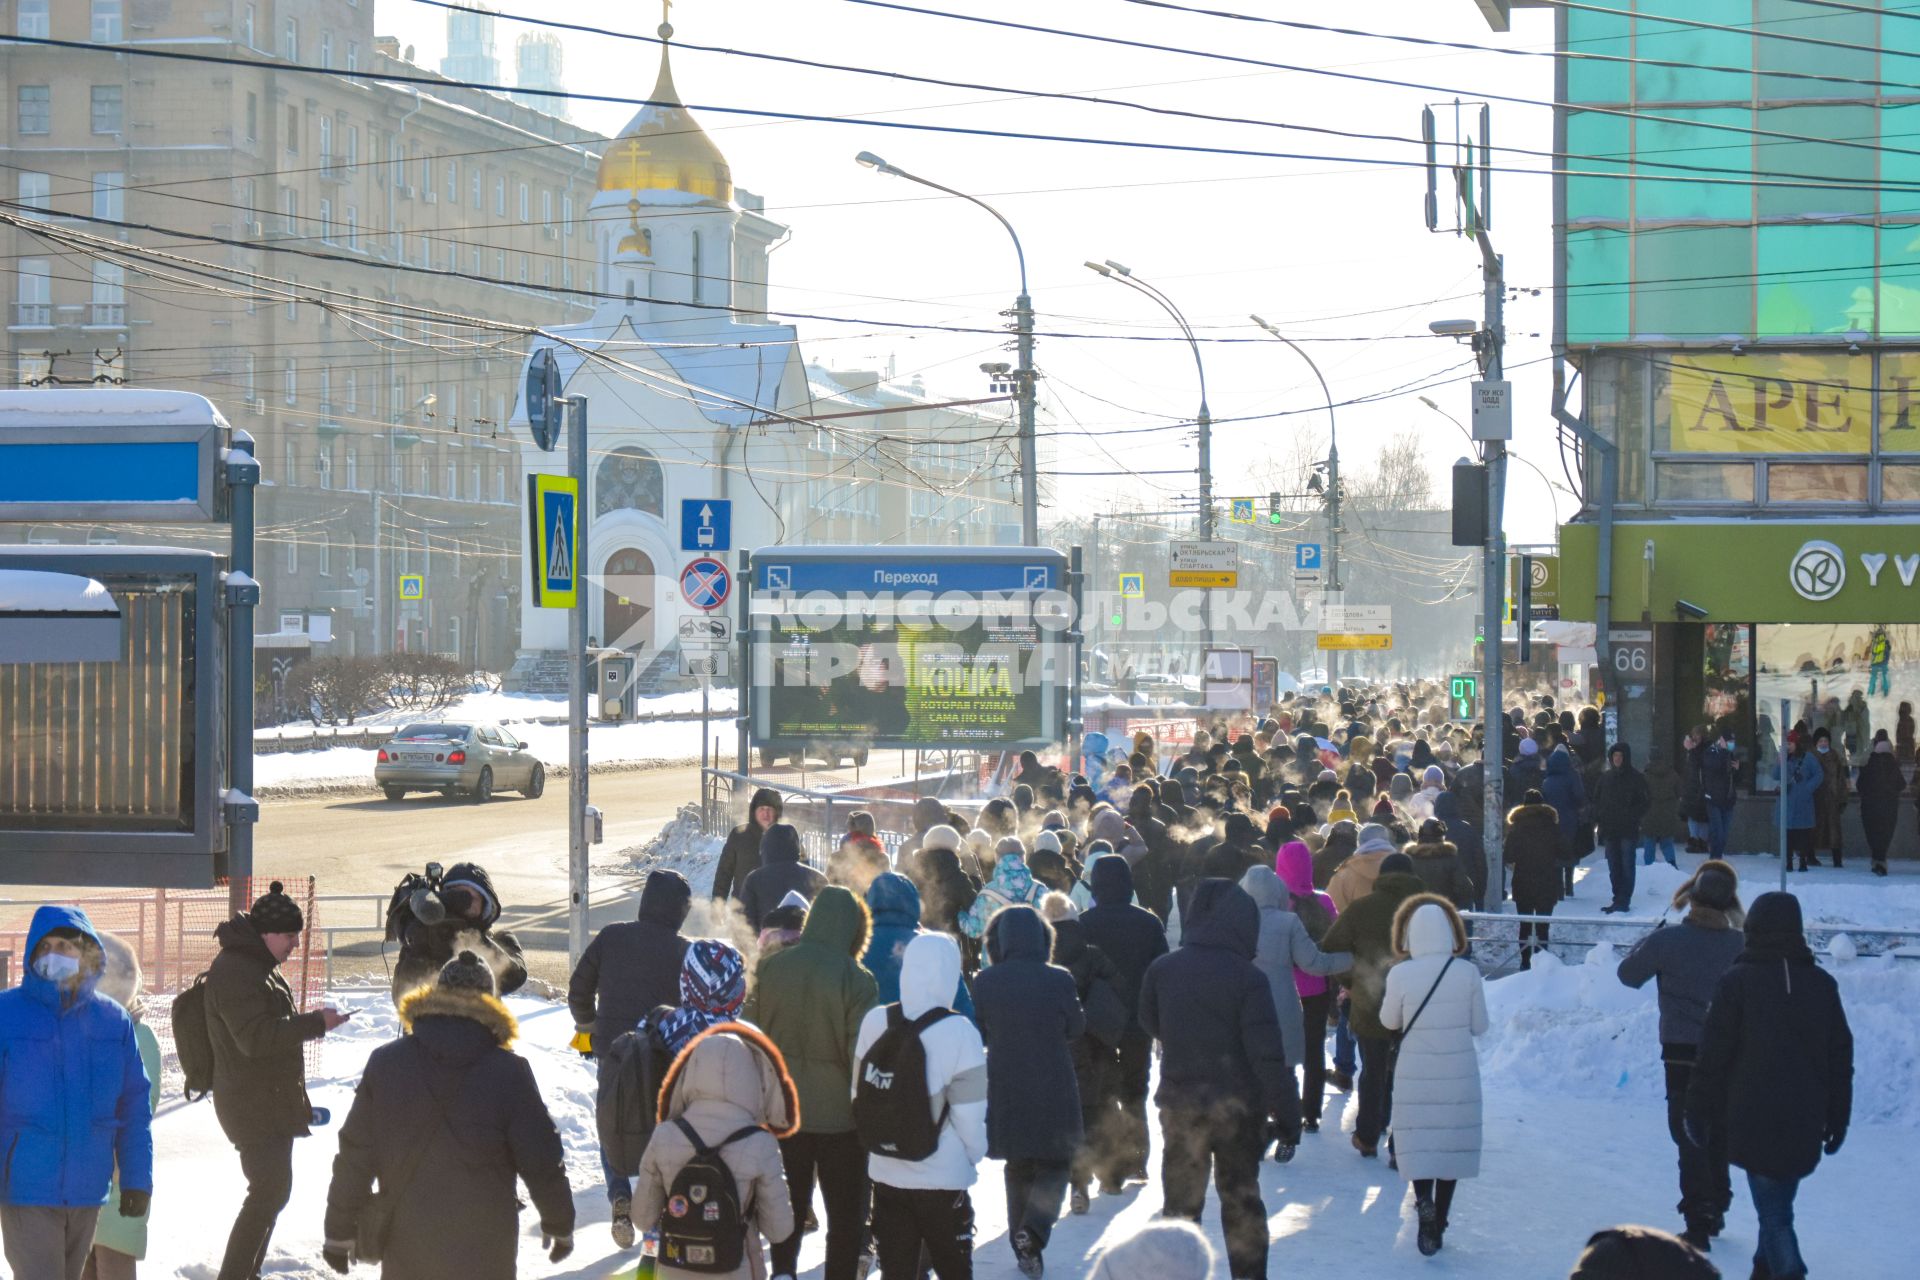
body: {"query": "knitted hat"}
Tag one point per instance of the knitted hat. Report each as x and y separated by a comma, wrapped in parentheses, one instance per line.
(713, 977)
(1396, 864)
(274, 912)
(1009, 846)
(1374, 838)
(941, 836)
(1165, 1250)
(1048, 841)
(1640, 1253)
(467, 972)
(1528, 747)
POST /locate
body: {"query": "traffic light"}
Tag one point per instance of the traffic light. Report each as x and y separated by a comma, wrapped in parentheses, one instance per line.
(1464, 694)
(1273, 508)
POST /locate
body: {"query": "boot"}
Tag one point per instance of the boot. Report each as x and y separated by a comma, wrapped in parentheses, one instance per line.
(1367, 1149)
(1341, 1080)
(1026, 1255)
(623, 1234)
(1880, 868)
(1699, 1234)
(1428, 1237)
(1080, 1202)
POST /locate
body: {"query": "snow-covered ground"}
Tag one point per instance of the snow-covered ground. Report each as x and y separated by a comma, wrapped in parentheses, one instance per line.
(1575, 1140)
(504, 708)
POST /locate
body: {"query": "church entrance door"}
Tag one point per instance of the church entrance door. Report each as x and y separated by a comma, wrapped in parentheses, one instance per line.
(627, 602)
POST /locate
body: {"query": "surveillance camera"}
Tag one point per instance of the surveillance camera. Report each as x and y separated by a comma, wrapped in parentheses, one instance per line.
(1454, 328)
(1687, 608)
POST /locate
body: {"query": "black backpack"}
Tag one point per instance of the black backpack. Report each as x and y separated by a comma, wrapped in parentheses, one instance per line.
(704, 1226)
(892, 1111)
(191, 1042)
(627, 1105)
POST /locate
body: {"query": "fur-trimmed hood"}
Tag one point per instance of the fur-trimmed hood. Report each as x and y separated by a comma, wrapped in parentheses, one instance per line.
(733, 1064)
(1432, 849)
(474, 1006)
(1415, 934)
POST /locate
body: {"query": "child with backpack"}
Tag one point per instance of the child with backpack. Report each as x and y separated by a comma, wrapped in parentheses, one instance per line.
(711, 1176)
(924, 1143)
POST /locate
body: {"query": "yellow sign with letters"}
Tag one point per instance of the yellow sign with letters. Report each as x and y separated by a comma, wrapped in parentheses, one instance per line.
(1785, 402)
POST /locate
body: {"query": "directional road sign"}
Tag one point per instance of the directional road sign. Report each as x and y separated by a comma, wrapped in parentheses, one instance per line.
(413, 586)
(1306, 556)
(1205, 564)
(706, 524)
(705, 583)
(1358, 619)
(553, 516)
(1328, 641)
(1242, 511)
(1133, 586)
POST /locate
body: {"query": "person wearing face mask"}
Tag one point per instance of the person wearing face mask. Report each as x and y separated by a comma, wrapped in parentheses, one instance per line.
(73, 1102)
(259, 1065)
(1830, 801)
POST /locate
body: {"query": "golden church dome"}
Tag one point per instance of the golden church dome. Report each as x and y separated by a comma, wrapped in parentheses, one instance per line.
(664, 149)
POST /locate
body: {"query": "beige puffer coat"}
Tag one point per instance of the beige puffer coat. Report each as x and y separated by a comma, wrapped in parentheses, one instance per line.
(729, 1077)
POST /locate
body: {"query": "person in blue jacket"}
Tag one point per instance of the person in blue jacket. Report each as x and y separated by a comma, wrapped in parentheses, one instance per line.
(1567, 793)
(73, 1102)
(1804, 779)
(895, 905)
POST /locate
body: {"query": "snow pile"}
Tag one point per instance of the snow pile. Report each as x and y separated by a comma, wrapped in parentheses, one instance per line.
(1576, 1031)
(681, 845)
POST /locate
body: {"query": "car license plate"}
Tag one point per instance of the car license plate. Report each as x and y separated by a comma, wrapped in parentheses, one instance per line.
(418, 757)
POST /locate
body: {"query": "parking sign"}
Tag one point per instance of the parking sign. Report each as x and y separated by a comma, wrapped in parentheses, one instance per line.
(1306, 555)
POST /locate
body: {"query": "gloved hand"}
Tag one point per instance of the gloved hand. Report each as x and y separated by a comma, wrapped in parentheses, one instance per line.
(133, 1204)
(1832, 1145)
(557, 1247)
(338, 1254)
(582, 1042)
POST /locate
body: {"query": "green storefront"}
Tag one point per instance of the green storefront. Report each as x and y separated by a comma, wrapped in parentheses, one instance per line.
(1737, 257)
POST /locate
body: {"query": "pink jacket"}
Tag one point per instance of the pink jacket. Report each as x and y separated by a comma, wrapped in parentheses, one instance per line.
(1294, 863)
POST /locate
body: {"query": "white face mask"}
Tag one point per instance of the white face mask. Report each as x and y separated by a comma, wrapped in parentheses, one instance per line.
(56, 967)
(1822, 748)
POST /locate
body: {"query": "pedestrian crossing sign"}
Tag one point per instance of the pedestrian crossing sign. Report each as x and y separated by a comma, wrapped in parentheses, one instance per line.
(1243, 510)
(1133, 586)
(413, 586)
(553, 520)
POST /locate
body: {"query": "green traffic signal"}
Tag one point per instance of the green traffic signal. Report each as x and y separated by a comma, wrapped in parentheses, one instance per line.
(1117, 620)
(1274, 518)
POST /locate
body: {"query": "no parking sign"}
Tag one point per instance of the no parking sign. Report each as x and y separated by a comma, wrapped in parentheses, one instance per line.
(705, 583)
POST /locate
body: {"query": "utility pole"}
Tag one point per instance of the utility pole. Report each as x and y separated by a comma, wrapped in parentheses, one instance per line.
(1029, 457)
(1488, 347)
(577, 856)
(1330, 590)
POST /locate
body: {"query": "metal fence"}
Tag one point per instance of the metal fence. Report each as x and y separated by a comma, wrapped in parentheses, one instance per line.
(1495, 937)
(171, 931)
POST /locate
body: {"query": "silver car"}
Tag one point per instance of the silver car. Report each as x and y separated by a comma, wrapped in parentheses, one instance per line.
(474, 760)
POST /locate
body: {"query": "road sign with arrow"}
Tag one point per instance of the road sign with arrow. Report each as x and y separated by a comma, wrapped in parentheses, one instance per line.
(706, 524)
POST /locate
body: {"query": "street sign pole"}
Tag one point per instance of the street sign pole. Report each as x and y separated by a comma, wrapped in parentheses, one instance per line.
(242, 475)
(577, 691)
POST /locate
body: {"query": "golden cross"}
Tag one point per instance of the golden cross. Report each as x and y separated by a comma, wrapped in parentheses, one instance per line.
(633, 151)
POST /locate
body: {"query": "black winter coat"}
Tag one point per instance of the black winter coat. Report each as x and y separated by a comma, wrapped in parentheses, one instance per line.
(1093, 1062)
(1463, 831)
(1132, 937)
(1775, 1071)
(1717, 774)
(1533, 851)
(426, 948)
(455, 1091)
(945, 889)
(1440, 869)
(258, 1037)
(1621, 798)
(740, 855)
(780, 872)
(1693, 786)
(632, 968)
(1879, 790)
(1030, 1017)
(1212, 1011)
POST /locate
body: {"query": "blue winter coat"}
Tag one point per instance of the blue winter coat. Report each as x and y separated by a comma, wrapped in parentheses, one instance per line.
(895, 905)
(1805, 777)
(73, 1091)
(1564, 790)
(1030, 1015)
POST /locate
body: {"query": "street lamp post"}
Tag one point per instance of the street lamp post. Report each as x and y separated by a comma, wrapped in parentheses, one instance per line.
(1331, 588)
(1023, 334)
(1115, 271)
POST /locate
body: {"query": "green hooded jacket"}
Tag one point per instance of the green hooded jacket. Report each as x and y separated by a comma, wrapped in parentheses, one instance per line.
(1366, 929)
(810, 997)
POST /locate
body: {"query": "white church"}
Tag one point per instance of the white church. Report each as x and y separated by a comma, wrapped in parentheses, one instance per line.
(694, 394)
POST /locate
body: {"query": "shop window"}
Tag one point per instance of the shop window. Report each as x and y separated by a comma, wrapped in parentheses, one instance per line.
(1716, 482)
(1848, 678)
(1899, 483)
(1827, 482)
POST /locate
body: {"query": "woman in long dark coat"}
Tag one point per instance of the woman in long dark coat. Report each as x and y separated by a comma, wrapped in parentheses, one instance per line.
(1879, 787)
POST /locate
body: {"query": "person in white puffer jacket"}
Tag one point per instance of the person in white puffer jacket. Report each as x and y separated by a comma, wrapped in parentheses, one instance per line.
(927, 1202)
(1437, 1001)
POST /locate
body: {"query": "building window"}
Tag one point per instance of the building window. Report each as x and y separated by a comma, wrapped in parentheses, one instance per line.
(523, 268)
(33, 300)
(290, 40)
(353, 474)
(107, 108)
(327, 160)
(293, 131)
(500, 264)
(323, 469)
(526, 214)
(290, 380)
(500, 483)
(353, 392)
(629, 479)
(326, 220)
(293, 553)
(110, 196)
(500, 197)
(323, 553)
(546, 208)
(476, 187)
(566, 213)
(353, 56)
(352, 145)
(253, 117)
(106, 27)
(33, 108)
(30, 19)
(453, 477)
(289, 209)
(353, 228)
(326, 49)
(36, 190)
(246, 27)
(287, 460)
(293, 302)
(109, 294)
(250, 377)
(453, 182)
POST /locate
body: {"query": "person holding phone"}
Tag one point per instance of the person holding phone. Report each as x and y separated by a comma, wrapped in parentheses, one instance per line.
(259, 1065)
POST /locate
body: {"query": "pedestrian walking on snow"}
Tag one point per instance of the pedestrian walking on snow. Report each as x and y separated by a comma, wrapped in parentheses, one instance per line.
(1096, 981)
(728, 1091)
(448, 1119)
(925, 1207)
(1687, 960)
(780, 872)
(1133, 937)
(740, 855)
(259, 1065)
(1366, 930)
(1285, 949)
(894, 905)
(120, 1239)
(1621, 798)
(75, 1101)
(1029, 1016)
(810, 1000)
(1294, 864)
(1224, 1081)
(1436, 1003)
(436, 915)
(1011, 884)
(1880, 784)
(1775, 1074)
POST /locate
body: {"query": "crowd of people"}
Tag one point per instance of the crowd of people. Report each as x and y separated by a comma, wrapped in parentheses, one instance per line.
(1266, 918)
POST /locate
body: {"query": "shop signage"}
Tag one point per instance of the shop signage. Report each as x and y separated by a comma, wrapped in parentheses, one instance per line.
(1787, 402)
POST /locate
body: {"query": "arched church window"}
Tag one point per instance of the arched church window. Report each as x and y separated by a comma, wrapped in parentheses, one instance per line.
(629, 479)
